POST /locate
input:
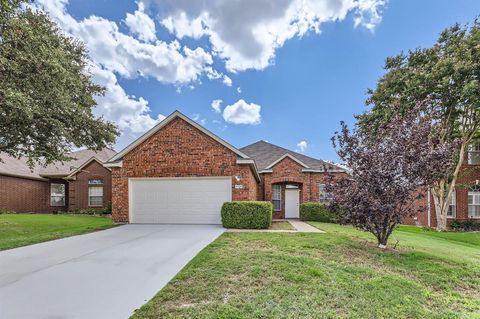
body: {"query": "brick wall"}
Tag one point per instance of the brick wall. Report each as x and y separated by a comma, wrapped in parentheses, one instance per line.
(468, 176)
(287, 171)
(78, 188)
(26, 195)
(179, 150)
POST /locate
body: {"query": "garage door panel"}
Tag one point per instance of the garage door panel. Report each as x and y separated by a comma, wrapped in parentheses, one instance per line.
(178, 200)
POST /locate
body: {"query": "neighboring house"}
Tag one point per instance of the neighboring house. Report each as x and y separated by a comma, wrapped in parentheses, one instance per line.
(179, 172)
(465, 204)
(80, 183)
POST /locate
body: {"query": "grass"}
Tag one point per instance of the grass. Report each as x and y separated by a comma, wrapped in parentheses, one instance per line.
(25, 229)
(340, 273)
(281, 225)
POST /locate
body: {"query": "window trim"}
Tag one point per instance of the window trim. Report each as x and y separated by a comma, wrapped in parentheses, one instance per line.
(64, 196)
(326, 197)
(473, 148)
(93, 182)
(453, 202)
(474, 192)
(90, 196)
(279, 200)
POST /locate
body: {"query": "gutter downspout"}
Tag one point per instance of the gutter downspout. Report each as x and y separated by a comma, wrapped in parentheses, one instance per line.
(429, 209)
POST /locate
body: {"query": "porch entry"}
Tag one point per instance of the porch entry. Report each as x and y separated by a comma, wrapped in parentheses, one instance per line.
(292, 202)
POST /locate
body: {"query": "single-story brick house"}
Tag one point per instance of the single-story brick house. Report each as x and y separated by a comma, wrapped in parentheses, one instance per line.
(179, 172)
(465, 204)
(80, 183)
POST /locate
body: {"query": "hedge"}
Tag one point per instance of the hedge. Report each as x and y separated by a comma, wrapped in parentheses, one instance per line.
(465, 225)
(313, 211)
(247, 215)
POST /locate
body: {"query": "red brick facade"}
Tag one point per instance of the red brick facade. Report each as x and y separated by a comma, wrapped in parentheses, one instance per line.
(469, 176)
(288, 172)
(78, 188)
(179, 150)
(31, 195)
(24, 195)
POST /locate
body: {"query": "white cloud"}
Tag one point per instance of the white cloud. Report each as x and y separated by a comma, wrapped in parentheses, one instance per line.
(242, 112)
(183, 26)
(132, 115)
(239, 90)
(369, 14)
(213, 74)
(126, 55)
(197, 118)
(246, 36)
(216, 104)
(302, 146)
(227, 81)
(113, 53)
(141, 24)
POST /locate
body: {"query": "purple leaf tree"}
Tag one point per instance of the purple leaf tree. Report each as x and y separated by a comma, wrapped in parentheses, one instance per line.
(387, 169)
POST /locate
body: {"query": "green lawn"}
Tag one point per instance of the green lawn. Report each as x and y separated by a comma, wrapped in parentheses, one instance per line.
(25, 229)
(340, 273)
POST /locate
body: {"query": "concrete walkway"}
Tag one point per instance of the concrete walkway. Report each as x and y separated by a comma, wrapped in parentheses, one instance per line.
(304, 227)
(300, 227)
(106, 274)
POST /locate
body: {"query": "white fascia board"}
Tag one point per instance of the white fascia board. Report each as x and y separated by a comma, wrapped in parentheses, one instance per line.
(250, 162)
(78, 169)
(310, 170)
(113, 164)
(284, 156)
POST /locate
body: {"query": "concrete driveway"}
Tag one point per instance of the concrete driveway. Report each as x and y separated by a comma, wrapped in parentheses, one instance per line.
(107, 274)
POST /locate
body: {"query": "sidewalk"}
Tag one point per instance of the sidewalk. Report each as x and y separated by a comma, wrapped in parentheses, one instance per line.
(300, 227)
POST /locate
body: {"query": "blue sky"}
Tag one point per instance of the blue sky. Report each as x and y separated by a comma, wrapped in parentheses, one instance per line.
(296, 87)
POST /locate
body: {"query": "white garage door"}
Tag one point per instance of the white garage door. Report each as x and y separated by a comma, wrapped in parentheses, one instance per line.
(178, 200)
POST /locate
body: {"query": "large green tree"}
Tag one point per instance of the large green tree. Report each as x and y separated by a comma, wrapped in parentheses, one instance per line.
(46, 93)
(448, 75)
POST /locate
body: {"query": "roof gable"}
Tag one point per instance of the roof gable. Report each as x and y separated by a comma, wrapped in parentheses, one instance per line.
(18, 166)
(287, 155)
(118, 157)
(80, 168)
(265, 154)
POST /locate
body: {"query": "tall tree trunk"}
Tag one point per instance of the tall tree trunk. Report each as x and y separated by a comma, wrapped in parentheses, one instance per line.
(443, 189)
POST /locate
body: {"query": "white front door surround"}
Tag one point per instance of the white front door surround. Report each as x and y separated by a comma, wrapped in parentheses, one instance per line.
(292, 203)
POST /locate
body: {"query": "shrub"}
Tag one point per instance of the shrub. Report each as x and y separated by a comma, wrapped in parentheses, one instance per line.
(465, 225)
(108, 209)
(313, 211)
(7, 212)
(88, 211)
(247, 215)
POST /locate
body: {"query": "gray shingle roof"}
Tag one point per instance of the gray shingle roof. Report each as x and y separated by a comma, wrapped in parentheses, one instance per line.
(19, 167)
(265, 154)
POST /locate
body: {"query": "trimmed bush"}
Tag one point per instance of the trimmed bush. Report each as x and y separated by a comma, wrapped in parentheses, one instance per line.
(247, 215)
(465, 225)
(90, 211)
(316, 212)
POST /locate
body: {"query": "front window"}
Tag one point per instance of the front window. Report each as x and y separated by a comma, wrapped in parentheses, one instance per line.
(324, 195)
(95, 192)
(277, 197)
(474, 153)
(57, 194)
(451, 213)
(474, 202)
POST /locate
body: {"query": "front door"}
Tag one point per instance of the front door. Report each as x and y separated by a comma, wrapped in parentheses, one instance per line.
(292, 203)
